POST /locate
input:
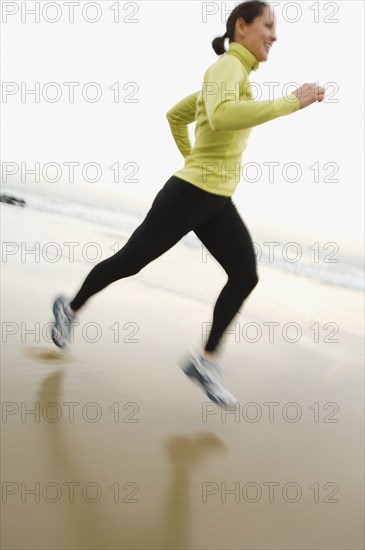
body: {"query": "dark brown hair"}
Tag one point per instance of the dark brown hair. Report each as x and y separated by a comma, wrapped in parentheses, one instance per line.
(249, 11)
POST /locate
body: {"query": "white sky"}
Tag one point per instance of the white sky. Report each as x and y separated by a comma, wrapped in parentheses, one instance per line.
(166, 53)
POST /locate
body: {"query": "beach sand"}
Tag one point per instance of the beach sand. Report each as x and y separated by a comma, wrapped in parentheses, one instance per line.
(123, 451)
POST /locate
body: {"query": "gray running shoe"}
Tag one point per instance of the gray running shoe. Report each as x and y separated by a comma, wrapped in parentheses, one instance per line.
(209, 376)
(64, 320)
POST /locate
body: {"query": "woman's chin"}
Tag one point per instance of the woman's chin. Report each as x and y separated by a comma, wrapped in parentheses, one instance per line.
(264, 56)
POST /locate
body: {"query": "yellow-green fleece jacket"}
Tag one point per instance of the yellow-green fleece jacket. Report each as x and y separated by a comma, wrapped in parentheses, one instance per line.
(225, 113)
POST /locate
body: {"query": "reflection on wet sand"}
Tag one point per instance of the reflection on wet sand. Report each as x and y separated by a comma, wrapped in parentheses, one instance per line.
(90, 526)
(63, 464)
(185, 454)
(47, 355)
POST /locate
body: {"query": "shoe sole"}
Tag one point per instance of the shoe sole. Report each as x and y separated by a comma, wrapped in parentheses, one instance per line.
(55, 339)
(56, 333)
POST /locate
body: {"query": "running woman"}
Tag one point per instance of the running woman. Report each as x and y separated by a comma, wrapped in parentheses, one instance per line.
(198, 197)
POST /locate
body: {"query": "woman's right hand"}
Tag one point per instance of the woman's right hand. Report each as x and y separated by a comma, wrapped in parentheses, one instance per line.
(309, 93)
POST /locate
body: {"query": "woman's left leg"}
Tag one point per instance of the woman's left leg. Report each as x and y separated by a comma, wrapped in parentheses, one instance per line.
(227, 238)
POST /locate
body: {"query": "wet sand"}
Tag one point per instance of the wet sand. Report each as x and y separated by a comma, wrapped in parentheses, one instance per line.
(123, 451)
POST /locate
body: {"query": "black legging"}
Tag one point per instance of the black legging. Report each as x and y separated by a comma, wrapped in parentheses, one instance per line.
(178, 208)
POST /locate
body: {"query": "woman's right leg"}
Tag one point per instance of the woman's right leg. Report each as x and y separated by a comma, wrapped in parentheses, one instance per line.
(178, 208)
(228, 239)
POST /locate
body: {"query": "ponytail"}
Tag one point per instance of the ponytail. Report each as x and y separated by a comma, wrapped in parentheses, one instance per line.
(218, 44)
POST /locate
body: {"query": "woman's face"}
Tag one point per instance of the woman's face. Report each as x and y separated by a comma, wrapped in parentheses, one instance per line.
(259, 36)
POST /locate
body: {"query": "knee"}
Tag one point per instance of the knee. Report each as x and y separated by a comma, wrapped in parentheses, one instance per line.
(245, 281)
(252, 280)
(255, 279)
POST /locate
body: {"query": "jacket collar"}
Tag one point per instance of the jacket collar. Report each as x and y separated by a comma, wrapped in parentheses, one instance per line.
(247, 58)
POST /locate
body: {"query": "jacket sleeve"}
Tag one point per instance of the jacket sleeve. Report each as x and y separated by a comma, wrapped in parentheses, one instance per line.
(226, 111)
(179, 116)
